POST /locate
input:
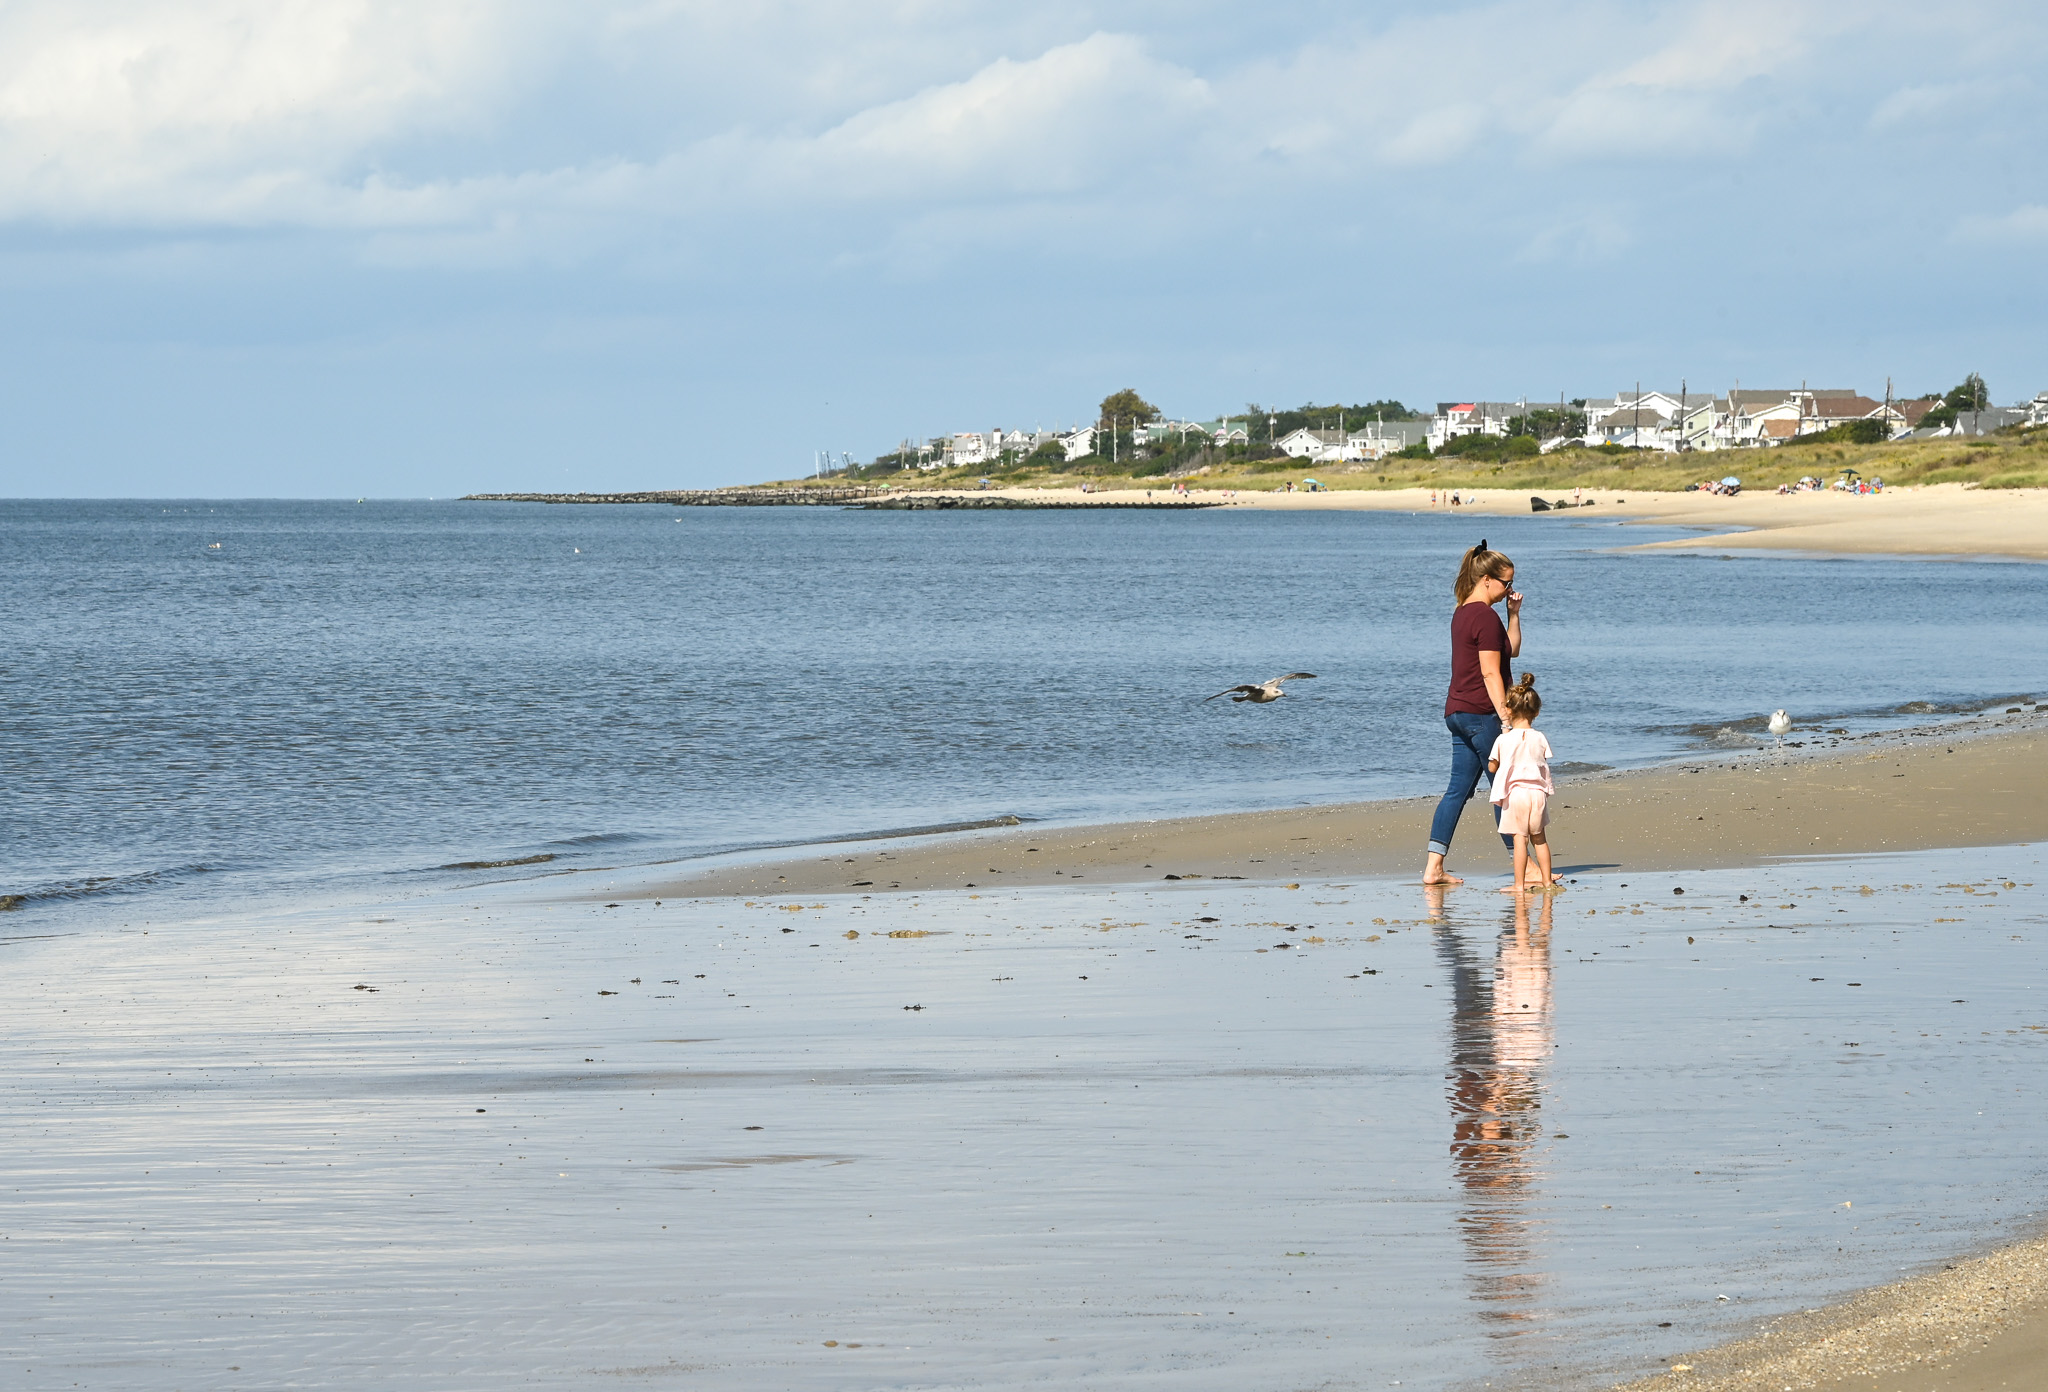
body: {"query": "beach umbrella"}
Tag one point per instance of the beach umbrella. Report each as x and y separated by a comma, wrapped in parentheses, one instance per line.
(1314, 481)
(1732, 481)
(1847, 470)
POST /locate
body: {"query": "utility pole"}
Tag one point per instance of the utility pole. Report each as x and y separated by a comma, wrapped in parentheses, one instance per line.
(1681, 412)
(1887, 410)
(1636, 432)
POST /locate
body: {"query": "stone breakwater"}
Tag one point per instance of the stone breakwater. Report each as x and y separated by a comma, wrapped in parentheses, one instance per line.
(699, 497)
(857, 497)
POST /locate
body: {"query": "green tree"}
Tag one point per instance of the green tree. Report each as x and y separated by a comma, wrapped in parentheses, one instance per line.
(1970, 394)
(1313, 417)
(1128, 405)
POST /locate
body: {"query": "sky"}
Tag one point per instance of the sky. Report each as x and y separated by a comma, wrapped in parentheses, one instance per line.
(411, 248)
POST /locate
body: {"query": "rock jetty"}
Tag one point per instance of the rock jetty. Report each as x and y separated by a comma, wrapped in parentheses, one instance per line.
(851, 497)
(700, 497)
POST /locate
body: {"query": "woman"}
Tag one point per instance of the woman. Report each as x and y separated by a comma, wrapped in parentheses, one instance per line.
(1476, 707)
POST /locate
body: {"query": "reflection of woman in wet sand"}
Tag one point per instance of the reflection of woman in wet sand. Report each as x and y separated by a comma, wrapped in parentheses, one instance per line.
(1502, 1035)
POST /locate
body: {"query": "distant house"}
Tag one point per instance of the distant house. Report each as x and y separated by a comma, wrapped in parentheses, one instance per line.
(1079, 443)
(1827, 412)
(1455, 418)
(1374, 441)
(1223, 432)
(1640, 427)
(1911, 413)
(1382, 438)
(1990, 419)
(1312, 445)
(968, 448)
(1641, 420)
(1751, 415)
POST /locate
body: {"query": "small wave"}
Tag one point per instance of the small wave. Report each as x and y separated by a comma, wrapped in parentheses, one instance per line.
(1714, 729)
(935, 829)
(1729, 734)
(1573, 767)
(541, 859)
(600, 838)
(1955, 707)
(93, 886)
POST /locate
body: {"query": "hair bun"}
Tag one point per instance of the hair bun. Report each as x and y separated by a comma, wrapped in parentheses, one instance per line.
(1480, 547)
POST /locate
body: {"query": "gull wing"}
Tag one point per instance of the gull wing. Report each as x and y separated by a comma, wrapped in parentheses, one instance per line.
(1225, 692)
(1293, 676)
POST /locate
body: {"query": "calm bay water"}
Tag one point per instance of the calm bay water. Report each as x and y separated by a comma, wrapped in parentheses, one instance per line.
(342, 697)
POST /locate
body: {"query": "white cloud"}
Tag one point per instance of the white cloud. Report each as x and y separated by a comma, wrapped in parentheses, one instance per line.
(552, 123)
(2022, 226)
(206, 109)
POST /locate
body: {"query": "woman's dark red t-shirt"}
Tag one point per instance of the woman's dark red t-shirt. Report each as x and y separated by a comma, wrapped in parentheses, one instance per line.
(1475, 629)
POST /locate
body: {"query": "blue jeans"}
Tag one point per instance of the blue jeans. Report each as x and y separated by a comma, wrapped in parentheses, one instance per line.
(1472, 738)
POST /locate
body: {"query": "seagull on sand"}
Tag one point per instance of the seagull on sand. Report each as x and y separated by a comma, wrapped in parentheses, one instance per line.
(1780, 725)
(1264, 693)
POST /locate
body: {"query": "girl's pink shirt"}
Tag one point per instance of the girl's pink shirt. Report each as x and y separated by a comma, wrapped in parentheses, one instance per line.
(1524, 763)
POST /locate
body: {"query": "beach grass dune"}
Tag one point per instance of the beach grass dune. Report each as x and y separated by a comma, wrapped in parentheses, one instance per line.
(2009, 459)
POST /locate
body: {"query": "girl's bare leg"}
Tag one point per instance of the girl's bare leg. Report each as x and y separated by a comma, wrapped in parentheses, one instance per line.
(1521, 865)
(1542, 846)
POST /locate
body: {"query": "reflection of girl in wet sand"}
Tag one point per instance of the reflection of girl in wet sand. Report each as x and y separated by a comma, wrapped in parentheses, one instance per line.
(1520, 770)
(1502, 1036)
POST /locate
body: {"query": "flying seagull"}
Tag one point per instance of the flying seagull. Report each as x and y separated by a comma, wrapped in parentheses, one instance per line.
(1780, 725)
(1265, 692)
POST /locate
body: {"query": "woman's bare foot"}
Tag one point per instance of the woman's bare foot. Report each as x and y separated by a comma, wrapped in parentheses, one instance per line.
(1433, 872)
(1442, 879)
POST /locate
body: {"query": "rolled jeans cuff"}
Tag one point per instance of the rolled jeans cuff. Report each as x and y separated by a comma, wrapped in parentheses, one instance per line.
(1439, 848)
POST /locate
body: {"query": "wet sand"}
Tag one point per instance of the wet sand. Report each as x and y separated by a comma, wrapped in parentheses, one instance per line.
(1212, 1136)
(1947, 519)
(1978, 1326)
(1951, 786)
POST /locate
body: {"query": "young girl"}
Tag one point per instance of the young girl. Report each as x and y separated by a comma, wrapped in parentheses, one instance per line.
(1520, 767)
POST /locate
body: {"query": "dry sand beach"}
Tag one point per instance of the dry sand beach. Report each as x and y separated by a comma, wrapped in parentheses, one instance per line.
(1940, 520)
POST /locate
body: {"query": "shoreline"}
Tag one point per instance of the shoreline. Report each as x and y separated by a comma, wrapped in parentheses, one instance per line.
(1980, 1324)
(1920, 789)
(1932, 521)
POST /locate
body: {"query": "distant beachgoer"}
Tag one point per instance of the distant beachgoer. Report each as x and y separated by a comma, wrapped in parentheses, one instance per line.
(1476, 708)
(1519, 770)
(1432, 497)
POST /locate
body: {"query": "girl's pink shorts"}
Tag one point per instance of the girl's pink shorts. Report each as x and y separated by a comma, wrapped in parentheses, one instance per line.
(1526, 812)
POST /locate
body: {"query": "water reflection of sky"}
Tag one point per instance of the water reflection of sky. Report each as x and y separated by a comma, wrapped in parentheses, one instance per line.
(1137, 1134)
